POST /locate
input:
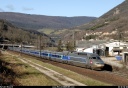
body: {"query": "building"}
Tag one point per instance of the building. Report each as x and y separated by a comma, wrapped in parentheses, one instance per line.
(102, 48)
(116, 48)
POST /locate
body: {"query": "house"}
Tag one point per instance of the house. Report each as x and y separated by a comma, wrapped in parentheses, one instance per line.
(103, 48)
(89, 46)
(116, 48)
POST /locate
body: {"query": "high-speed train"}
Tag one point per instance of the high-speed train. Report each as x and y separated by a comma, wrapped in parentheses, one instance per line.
(81, 59)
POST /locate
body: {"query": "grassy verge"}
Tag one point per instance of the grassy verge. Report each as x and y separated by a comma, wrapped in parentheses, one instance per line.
(22, 73)
(83, 79)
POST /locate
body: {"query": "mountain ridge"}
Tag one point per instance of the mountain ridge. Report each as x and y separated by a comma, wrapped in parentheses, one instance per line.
(35, 22)
(111, 25)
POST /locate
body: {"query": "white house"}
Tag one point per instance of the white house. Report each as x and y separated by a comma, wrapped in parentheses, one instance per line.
(115, 47)
(79, 49)
(85, 49)
(105, 49)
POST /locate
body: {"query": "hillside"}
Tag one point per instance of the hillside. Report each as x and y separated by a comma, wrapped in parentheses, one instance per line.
(34, 22)
(18, 35)
(111, 25)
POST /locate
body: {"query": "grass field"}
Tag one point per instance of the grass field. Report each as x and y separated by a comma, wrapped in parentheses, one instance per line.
(46, 31)
(23, 74)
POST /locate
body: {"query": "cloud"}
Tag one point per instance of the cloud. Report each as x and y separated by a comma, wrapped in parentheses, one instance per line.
(10, 7)
(27, 9)
(1, 10)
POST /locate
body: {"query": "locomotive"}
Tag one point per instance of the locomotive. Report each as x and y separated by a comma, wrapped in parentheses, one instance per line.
(81, 59)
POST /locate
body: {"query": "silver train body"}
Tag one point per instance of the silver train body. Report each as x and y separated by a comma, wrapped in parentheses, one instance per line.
(81, 59)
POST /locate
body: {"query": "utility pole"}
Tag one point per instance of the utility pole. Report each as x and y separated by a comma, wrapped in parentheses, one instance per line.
(37, 43)
(21, 46)
(119, 39)
(73, 39)
(40, 45)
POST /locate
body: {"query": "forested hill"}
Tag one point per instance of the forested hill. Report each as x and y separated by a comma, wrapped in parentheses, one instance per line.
(29, 21)
(17, 35)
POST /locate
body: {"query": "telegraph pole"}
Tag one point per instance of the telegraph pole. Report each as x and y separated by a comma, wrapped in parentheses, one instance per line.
(37, 42)
(74, 40)
(40, 45)
(119, 38)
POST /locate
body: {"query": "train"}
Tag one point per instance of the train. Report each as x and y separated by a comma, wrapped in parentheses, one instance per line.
(81, 59)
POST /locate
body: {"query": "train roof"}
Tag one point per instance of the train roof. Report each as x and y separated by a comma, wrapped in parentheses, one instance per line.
(88, 54)
(77, 54)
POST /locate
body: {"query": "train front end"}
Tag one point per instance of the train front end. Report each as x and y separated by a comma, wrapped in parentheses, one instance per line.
(97, 62)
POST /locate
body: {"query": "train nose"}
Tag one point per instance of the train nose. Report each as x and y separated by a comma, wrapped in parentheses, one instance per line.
(99, 64)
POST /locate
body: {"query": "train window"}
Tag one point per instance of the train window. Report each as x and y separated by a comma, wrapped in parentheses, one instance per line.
(53, 55)
(93, 57)
(44, 54)
(36, 52)
(82, 53)
(59, 56)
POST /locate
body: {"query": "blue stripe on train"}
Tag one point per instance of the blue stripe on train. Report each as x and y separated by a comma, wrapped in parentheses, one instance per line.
(66, 58)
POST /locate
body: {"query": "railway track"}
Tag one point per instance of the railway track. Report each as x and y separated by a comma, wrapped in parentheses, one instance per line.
(112, 77)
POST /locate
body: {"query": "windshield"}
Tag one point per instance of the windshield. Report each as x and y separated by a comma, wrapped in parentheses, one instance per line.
(93, 57)
(96, 58)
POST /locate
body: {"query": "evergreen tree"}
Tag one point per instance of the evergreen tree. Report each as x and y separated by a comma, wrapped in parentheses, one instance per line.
(59, 48)
(70, 46)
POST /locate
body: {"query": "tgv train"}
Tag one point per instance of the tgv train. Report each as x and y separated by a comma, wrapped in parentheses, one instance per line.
(82, 59)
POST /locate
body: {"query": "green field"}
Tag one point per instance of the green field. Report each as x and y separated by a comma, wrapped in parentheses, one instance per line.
(46, 31)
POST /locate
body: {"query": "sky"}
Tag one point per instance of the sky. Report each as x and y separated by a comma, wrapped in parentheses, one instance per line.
(68, 8)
